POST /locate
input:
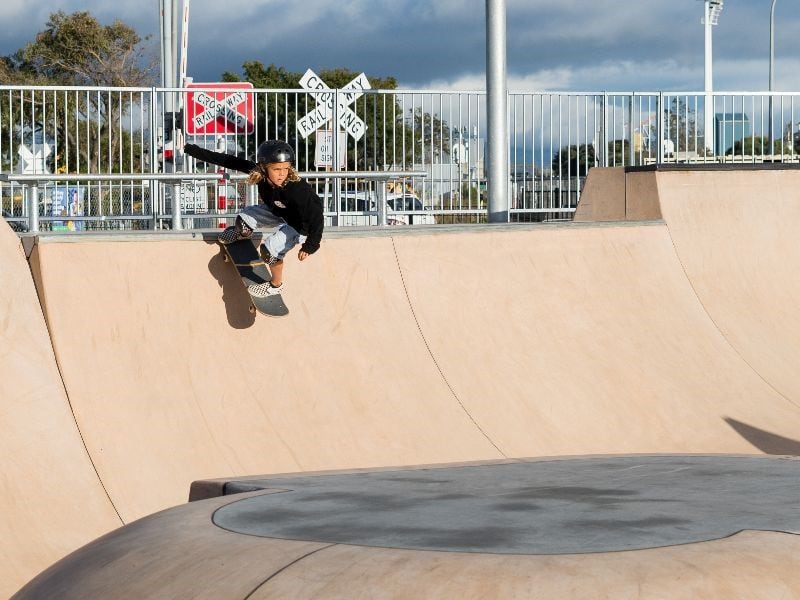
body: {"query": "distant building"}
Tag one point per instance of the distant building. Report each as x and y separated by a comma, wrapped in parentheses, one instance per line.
(730, 128)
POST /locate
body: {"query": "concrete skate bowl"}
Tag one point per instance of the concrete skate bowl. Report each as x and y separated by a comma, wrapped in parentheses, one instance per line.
(406, 348)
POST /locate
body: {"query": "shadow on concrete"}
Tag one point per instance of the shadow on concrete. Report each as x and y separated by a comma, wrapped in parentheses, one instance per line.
(234, 295)
(765, 441)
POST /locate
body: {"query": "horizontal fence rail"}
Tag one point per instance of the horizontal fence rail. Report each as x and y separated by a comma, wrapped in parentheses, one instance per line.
(57, 197)
(92, 136)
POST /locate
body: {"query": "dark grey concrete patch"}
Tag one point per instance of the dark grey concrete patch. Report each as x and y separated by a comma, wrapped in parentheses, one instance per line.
(539, 507)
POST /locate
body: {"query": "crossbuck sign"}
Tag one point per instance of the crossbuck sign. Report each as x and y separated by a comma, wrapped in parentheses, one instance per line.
(219, 108)
(347, 119)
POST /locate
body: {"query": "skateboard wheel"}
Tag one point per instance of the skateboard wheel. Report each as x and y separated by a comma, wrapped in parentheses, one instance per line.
(225, 258)
(252, 309)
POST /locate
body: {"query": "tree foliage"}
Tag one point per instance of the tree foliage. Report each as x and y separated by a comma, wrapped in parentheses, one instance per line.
(392, 139)
(574, 160)
(76, 50)
(756, 145)
(681, 121)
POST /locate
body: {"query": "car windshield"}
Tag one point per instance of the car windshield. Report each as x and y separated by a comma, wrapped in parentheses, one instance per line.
(407, 203)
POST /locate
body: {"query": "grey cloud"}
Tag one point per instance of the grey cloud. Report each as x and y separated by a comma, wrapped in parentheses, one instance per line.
(418, 41)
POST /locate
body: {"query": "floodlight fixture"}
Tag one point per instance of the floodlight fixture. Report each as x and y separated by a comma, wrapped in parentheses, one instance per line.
(714, 7)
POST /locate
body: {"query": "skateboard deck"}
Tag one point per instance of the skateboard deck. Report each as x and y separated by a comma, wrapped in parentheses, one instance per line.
(244, 256)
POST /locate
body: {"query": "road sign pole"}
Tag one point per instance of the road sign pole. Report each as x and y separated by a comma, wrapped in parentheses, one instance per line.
(335, 123)
(335, 155)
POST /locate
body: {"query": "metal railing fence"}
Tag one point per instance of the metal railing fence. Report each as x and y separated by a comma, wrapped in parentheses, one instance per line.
(53, 202)
(554, 138)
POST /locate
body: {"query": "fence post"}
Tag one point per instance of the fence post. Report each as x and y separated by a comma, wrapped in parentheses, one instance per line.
(603, 132)
(176, 207)
(660, 129)
(154, 185)
(382, 202)
(631, 154)
(32, 194)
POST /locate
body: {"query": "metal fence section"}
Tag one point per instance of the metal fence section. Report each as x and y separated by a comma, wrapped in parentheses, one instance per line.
(554, 138)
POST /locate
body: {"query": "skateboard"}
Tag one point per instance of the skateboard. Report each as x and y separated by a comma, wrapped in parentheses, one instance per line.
(244, 256)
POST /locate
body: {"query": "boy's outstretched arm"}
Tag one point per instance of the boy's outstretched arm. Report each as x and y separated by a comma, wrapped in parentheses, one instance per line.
(229, 161)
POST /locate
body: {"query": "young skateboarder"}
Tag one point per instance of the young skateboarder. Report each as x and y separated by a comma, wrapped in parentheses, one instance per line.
(286, 201)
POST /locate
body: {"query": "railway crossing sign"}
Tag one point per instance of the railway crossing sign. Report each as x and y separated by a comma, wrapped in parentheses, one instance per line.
(347, 119)
(219, 108)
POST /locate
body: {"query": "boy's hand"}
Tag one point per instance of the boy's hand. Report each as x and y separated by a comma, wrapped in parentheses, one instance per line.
(302, 255)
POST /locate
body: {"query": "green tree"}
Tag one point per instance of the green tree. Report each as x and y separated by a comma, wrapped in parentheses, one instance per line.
(619, 153)
(681, 121)
(574, 160)
(392, 139)
(76, 50)
(755, 145)
(430, 137)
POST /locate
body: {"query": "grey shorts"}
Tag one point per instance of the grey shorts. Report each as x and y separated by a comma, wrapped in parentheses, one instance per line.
(280, 241)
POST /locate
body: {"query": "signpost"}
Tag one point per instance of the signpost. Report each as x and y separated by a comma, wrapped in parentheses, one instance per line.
(323, 153)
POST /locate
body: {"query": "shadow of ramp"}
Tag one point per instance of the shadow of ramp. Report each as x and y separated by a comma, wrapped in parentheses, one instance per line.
(767, 442)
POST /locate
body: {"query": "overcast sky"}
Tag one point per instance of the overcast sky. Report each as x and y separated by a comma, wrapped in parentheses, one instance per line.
(558, 45)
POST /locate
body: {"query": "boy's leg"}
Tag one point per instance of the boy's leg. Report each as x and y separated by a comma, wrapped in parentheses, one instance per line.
(277, 273)
(273, 249)
(247, 221)
(259, 215)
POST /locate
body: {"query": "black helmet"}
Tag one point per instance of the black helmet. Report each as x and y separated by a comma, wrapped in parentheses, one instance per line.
(274, 151)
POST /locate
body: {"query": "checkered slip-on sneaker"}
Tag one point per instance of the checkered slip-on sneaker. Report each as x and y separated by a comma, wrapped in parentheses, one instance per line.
(234, 233)
(262, 290)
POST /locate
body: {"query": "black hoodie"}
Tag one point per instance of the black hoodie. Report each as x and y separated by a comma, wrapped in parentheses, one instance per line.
(295, 202)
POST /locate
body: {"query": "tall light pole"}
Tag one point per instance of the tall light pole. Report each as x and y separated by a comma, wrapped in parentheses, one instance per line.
(496, 111)
(710, 18)
(771, 64)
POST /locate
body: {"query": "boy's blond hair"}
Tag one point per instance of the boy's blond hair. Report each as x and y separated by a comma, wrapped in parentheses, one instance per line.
(259, 174)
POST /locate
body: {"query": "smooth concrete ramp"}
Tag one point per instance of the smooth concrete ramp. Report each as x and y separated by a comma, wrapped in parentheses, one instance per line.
(734, 230)
(575, 334)
(184, 383)
(736, 235)
(433, 346)
(583, 340)
(51, 501)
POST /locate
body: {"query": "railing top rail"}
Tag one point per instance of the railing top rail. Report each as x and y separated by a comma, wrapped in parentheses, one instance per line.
(375, 175)
(30, 177)
(299, 90)
(74, 88)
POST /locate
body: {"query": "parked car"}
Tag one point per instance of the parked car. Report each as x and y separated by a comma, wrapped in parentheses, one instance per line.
(401, 209)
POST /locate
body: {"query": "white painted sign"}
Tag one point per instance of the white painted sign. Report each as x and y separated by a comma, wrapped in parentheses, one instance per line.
(193, 196)
(347, 119)
(323, 155)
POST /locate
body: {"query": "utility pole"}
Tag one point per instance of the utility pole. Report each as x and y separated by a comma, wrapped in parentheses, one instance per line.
(712, 8)
(771, 70)
(496, 108)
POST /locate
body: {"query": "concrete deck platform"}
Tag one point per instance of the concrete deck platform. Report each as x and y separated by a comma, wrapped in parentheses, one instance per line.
(621, 527)
(574, 506)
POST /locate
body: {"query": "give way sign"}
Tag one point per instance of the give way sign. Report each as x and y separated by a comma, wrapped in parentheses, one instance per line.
(219, 108)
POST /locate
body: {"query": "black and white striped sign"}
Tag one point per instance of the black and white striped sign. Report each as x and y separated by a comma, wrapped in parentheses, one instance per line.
(347, 119)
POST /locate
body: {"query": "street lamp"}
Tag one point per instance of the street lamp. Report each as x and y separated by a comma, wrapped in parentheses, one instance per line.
(710, 18)
(771, 63)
